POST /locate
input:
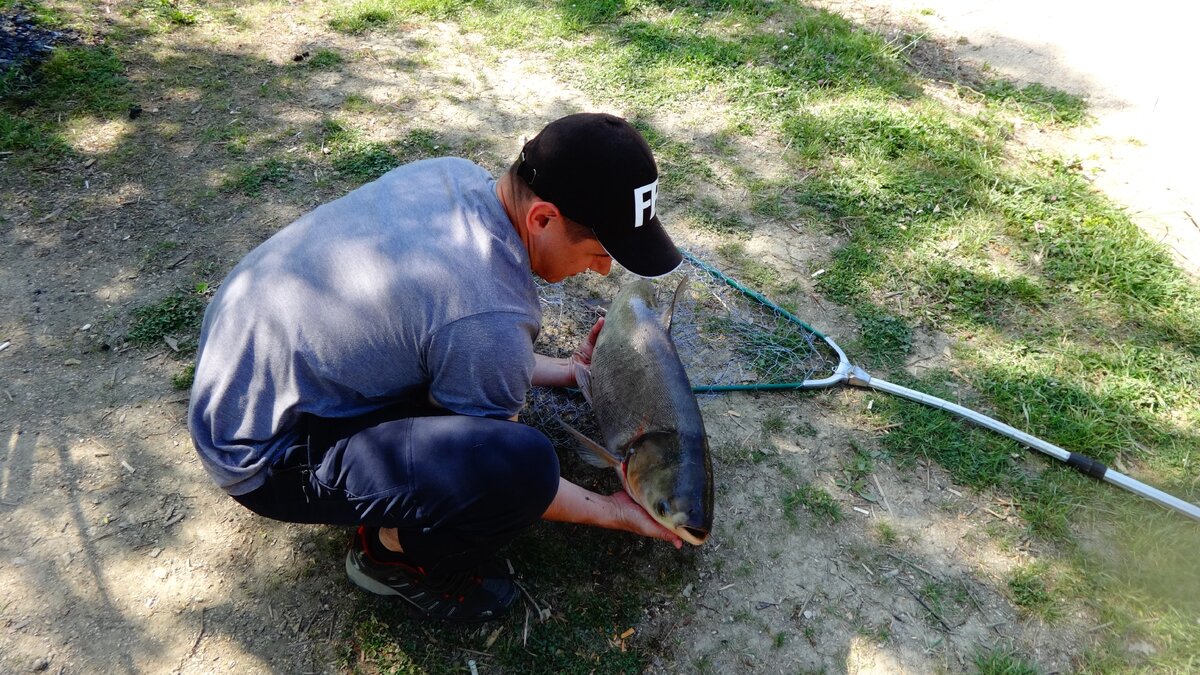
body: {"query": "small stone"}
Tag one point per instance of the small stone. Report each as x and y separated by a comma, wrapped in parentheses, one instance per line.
(72, 362)
(1143, 649)
(40, 664)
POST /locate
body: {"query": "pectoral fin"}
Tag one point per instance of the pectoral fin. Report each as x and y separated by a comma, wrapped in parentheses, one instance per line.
(669, 310)
(583, 379)
(590, 451)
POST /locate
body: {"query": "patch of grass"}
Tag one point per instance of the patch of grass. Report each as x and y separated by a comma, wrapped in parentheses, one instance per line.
(884, 339)
(855, 471)
(363, 15)
(361, 160)
(183, 379)
(325, 58)
(173, 14)
(775, 422)
(78, 80)
(887, 533)
(805, 430)
(355, 158)
(1037, 102)
(18, 134)
(1031, 592)
(749, 269)
(1000, 661)
(816, 500)
(708, 216)
(178, 314)
(250, 180)
(38, 102)
(41, 14)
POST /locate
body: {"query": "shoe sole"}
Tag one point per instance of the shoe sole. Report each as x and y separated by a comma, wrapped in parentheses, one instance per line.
(379, 588)
(367, 583)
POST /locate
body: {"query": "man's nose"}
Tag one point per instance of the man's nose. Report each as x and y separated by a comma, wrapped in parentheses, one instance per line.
(602, 266)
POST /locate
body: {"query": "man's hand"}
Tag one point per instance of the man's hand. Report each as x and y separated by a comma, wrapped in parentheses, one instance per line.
(633, 518)
(583, 355)
(552, 372)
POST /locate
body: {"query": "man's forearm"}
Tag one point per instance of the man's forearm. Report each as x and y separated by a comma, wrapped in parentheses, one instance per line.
(552, 372)
(573, 504)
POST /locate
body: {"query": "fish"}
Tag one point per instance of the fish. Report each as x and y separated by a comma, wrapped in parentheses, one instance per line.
(647, 413)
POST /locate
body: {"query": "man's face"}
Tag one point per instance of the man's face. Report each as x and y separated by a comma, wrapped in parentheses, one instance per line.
(555, 257)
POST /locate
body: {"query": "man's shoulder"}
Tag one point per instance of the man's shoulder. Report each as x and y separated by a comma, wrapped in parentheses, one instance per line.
(439, 166)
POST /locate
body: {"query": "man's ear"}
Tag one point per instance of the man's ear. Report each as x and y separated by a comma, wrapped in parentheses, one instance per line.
(540, 215)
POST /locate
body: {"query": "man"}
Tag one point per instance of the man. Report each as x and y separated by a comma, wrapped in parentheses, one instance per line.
(365, 365)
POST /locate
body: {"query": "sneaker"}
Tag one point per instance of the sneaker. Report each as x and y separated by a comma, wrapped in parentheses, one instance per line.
(458, 597)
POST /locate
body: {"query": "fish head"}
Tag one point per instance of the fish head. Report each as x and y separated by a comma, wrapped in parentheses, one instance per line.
(671, 477)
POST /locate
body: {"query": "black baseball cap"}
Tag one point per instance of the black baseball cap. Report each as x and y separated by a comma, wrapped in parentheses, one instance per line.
(599, 171)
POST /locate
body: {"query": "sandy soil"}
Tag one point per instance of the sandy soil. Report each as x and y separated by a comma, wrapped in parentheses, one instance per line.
(118, 555)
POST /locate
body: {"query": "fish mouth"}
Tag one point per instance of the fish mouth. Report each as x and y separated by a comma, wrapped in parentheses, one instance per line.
(693, 535)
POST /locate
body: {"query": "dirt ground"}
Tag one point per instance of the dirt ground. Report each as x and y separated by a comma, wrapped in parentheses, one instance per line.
(118, 555)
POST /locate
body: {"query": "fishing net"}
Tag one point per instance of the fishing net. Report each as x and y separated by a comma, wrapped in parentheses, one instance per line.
(725, 336)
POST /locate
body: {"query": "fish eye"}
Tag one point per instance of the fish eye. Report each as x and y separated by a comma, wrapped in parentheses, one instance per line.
(662, 507)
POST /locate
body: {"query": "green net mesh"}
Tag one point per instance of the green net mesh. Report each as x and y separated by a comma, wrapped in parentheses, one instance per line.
(723, 336)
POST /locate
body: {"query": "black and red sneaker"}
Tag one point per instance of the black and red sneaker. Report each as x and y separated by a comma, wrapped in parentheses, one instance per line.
(468, 596)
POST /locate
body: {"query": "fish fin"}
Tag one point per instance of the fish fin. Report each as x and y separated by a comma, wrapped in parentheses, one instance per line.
(669, 310)
(590, 451)
(583, 379)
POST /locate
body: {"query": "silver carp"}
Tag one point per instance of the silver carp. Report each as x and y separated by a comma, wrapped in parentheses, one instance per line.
(653, 433)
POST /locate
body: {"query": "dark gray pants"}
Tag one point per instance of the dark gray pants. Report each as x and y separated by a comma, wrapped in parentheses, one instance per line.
(457, 488)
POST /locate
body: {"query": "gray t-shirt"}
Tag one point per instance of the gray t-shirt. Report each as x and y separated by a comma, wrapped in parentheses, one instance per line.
(414, 285)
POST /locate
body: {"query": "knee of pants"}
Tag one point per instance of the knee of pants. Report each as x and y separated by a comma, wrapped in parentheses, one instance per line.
(522, 472)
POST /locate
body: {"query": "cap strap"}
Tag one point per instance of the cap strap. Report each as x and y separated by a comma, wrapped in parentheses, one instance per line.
(526, 172)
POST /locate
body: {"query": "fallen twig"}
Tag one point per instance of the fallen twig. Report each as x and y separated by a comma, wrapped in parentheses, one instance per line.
(926, 606)
(196, 642)
(913, 565)
(885, 499)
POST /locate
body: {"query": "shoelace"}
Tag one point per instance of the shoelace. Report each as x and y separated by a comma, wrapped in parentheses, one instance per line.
(453, 584)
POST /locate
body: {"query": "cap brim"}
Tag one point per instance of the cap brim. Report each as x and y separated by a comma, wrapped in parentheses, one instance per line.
(647, 252)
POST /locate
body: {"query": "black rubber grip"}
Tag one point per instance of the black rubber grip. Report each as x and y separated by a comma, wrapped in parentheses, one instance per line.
(1086, 465)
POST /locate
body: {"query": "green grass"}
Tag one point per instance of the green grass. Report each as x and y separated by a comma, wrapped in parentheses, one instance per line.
(1031, 591)
(37, 102)
(176, 316)
(364, 15)
(1037, 102)
(816, 500)
(999, 661)
(360, 160)
(183, 379)
(325, 58)
(249, 180)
